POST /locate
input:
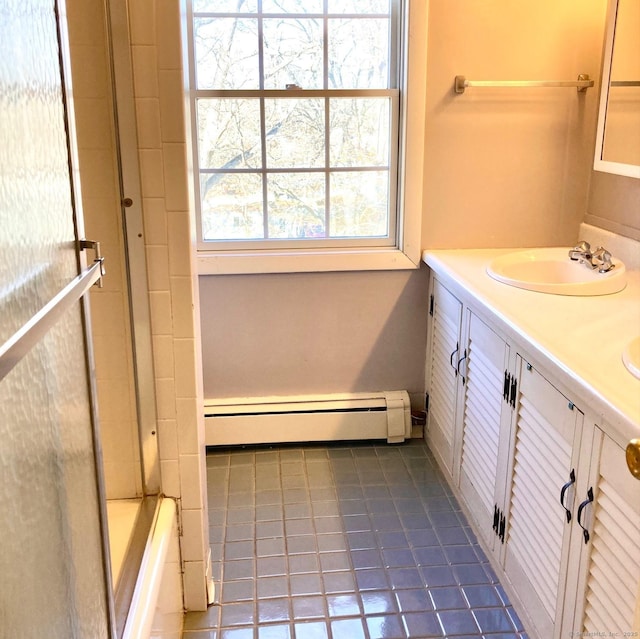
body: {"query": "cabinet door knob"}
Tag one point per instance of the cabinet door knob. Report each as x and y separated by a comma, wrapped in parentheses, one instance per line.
(633, 457)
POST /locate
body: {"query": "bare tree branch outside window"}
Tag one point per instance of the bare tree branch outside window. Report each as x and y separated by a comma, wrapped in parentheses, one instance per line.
(296, 108)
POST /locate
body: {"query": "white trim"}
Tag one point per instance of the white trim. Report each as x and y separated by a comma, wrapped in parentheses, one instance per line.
(301, 261)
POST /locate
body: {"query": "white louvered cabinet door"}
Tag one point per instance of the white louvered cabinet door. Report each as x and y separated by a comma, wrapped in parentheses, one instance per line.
(609, 604)
(486, 424)
(544, 457)
(443, 379)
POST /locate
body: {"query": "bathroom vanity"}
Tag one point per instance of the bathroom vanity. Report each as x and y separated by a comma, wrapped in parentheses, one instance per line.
(530, 410)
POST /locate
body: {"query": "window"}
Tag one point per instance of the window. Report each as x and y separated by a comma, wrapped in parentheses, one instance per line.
(297, 119)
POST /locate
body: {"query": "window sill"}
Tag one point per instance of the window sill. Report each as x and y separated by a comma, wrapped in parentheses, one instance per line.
(301, 261)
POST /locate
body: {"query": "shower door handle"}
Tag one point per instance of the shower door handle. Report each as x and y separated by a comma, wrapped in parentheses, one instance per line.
(21, 342)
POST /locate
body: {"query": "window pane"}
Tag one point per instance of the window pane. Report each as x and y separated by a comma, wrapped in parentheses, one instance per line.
(225, 6)
(226, 53)
(292, 6)
(359, 204)
(231, 206)
(359, 53)
(294, 133)
(229, 134)
(359, 6)
(292, 53)
(359, 131)
(296, 203)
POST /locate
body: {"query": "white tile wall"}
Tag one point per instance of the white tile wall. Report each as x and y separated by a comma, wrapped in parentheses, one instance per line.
(101, 207)
(158, 88)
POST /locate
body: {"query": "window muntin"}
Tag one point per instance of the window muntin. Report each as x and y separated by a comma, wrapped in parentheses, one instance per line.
(314, 161)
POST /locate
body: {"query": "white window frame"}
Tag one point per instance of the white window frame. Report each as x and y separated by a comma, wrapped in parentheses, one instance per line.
(406, 253)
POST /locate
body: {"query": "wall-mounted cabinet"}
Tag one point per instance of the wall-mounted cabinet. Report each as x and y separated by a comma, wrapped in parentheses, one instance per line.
(547, 492)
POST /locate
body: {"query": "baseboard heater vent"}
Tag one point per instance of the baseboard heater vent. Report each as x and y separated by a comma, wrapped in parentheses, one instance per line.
(309, 418)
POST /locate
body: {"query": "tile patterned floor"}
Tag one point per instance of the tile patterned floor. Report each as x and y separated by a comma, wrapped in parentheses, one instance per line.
(360, 541)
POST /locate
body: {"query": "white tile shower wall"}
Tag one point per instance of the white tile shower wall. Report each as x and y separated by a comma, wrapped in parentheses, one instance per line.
(101, 206)
(158, 89)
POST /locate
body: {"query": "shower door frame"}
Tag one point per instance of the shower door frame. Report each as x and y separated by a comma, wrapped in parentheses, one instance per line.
(118, 45)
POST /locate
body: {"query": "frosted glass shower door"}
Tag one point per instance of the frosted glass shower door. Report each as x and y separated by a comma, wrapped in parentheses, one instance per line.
(54, 579)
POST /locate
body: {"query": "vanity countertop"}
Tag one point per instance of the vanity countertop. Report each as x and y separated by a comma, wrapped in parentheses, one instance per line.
(579, 339)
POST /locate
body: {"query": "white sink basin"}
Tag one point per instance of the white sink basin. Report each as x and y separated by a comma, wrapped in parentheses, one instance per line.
(549, 270)
(631, 357)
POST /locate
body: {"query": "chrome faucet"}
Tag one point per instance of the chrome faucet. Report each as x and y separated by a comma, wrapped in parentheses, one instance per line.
(581, 253)
(600, 258)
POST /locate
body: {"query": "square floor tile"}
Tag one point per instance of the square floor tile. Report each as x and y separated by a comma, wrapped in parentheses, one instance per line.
(267, 529)
(303, 563)
(362, 559)
(311, 630)
(481, 596)
(351, 628)
(346, 605)
(358, 541)
(275, 631)
(372, 579)
(241, 590)
(339, 582)
(419, 625)
(331, 542)
(271, 566)
(378, 602)
(309, 607)
(239, 569)
(361, 540)
(328, 525)
(393, 539)
(309, 584)
(447, 598)
(493, 620)
(270, 547)
(334, 561)
(300, 544)
(413, 600)
(385, 627)
(404, 578)
(273, 610)
(272, 587)
(430, 556)
(398, 558)
(237, 614)
(457, 622)
(438, 576)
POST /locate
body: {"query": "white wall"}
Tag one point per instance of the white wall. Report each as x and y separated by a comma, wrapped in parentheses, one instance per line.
(509, 166)
(313, 333)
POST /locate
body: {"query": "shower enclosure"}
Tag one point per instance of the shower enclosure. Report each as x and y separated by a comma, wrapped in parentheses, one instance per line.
(120, 322)
(77, 404)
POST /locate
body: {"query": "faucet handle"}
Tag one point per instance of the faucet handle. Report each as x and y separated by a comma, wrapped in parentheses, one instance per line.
(581, 252)
(601, 260)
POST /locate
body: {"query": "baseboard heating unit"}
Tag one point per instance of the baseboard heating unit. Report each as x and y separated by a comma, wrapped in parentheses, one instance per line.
(308, 418)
